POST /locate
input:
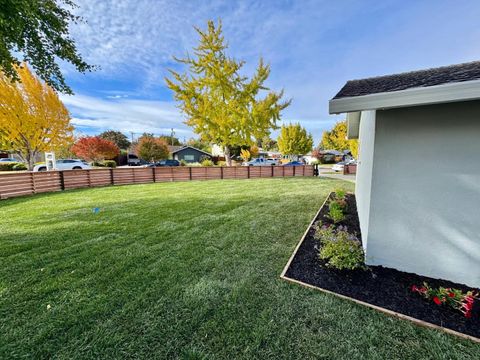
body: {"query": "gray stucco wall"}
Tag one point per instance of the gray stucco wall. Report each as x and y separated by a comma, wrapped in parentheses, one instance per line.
(364, 170)
(424, 214)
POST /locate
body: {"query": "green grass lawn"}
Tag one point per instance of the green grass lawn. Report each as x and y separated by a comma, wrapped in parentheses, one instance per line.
(183, 270)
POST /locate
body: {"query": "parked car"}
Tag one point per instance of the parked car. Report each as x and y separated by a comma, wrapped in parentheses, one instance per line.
(133, 160)
(65, 164)
(340, 165)
(9, 160)
(165, 163)
(261, 162)
(294, 163)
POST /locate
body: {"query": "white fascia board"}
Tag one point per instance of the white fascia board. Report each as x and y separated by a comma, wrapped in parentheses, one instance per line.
(461, 91)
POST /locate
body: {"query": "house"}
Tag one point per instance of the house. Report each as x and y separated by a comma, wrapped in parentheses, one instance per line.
(190, 154)
(418, 213)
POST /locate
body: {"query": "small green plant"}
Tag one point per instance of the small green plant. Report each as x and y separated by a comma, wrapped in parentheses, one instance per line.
(207, 162)
(335, 211)
(340, 194)
(339, 248)
(221, 163)
(183, 162)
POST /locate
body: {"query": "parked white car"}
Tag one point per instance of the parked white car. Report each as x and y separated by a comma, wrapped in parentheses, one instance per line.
(65, 164)
(339, 166)
(261, 162)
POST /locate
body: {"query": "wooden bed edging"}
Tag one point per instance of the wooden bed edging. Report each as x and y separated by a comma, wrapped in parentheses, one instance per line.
(375, 307)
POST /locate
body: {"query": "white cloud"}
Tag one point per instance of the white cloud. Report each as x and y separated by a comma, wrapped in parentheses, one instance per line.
(126, 115)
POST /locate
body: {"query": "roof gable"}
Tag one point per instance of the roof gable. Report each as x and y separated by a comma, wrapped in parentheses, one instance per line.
(190, 147)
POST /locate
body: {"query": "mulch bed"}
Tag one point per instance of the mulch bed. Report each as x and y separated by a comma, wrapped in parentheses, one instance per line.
(381, 286)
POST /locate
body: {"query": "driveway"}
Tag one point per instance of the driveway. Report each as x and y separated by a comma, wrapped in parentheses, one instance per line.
(326, 171)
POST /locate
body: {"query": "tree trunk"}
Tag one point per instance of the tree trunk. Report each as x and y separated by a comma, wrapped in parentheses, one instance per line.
(228, 158)
(30, 160)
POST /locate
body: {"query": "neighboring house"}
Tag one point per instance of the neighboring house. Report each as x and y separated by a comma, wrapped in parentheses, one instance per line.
(190, 154)
(418, 213)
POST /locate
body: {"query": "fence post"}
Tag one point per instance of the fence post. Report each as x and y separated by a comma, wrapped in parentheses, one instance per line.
(294, 170)
(303, 170)
(62, 180)
(248, 172)
(33, 182)
(221, 172)
(111, 177)
(190, 172)
(283, 171)
(272, 169)
(153, 174)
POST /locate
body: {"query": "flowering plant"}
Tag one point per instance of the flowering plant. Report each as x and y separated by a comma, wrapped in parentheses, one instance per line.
(448, 296)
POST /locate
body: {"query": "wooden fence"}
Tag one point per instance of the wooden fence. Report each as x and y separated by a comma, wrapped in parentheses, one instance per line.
(27, 183)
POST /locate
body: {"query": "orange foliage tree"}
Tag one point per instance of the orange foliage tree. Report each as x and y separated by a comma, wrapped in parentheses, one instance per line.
(32, 117)
(151, 148)
(94, 148)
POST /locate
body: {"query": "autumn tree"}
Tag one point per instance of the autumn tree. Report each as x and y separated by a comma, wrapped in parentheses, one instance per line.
(152, 148)
(117, 137)
(294, 140)
(38, 32)
(32, 117)
(95, 149)
(336, 139)
(221, 105)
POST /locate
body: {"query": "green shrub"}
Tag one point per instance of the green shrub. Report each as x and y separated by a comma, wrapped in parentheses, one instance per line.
(207, 162)
(11, 166)
(335, 211)
(110, 163)
(340, 249)
(221, 163)
(105, 163)
(183, 162)
(19, 166)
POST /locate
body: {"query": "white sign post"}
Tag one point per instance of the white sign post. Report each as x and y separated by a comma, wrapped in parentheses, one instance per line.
(50, 161)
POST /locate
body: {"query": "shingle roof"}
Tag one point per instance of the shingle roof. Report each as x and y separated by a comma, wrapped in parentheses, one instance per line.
(414, 79)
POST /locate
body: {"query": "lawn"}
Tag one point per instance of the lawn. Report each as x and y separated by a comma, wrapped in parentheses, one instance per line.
(183, 270)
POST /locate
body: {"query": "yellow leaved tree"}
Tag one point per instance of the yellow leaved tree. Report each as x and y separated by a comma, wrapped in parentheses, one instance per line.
(32, 117)
(336, 139)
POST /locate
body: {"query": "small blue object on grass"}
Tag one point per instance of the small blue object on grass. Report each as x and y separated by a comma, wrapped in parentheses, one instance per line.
(96, 210)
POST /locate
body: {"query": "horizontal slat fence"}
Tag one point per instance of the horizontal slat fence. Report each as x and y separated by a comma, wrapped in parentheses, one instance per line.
(18, 184)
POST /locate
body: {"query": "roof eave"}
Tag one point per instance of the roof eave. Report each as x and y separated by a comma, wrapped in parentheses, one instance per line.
(460, 91)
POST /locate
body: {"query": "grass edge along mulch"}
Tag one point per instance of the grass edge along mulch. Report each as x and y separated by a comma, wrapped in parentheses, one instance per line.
(360, 302)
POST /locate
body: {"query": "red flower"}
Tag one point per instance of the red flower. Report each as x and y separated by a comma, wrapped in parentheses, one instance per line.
(414, 288)
(436, 300)
(468, 314)
(451, 294)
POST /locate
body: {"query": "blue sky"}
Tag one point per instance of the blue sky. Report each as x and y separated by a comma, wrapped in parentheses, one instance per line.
(313, 47)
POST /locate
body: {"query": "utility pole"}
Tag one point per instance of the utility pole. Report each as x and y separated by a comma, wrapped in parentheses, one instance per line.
(172, 134)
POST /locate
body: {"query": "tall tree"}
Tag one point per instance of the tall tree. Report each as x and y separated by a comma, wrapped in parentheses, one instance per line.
(117, 137)
(336, 139)
(152, 148)
(32, 117)
(37, 30)
(95, 149)
(294, 140)
(221, 105)
(170, 140)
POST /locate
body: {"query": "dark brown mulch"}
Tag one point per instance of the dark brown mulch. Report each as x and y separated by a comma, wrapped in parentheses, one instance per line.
(381, 286)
